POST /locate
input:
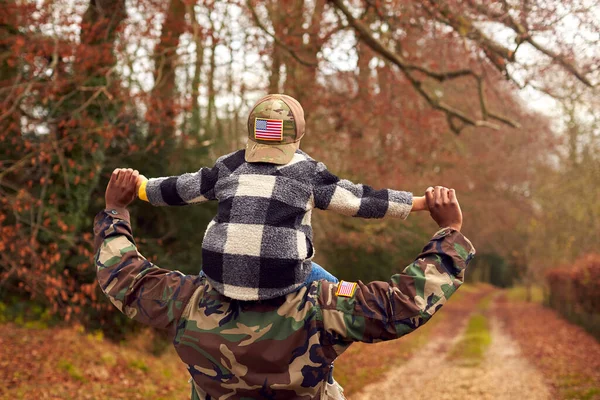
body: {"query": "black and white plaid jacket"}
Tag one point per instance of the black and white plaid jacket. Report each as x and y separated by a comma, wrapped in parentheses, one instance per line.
(259, 245)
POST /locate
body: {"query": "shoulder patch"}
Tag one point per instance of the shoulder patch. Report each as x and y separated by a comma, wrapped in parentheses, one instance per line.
(346, 289)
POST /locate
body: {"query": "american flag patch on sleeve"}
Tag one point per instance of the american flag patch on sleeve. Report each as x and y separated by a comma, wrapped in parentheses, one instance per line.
(346, 289)
(268, 129)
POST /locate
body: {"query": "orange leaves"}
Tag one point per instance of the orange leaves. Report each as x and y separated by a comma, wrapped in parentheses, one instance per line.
(62, 225)
(576, 287)
(54, 259)
(567, 356)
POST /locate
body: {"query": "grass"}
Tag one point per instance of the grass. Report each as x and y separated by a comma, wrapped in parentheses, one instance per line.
(470, 349)
(484, 304)
(71, 369)
(519, 293)
(108, 359)
(576, 387)
(582, 394)
(138, 364)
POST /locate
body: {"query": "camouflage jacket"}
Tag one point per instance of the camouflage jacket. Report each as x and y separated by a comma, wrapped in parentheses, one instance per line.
(278, 348)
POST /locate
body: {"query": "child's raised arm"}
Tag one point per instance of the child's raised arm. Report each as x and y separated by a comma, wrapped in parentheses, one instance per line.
(189, 188)
(357, 200)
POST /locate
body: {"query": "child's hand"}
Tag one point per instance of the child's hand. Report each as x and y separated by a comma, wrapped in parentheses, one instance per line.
(141, 179)
(419, 204)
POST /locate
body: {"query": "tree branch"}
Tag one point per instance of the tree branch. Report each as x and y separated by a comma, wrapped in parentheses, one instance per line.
(276, 39)
(523, 35)
(406, 68)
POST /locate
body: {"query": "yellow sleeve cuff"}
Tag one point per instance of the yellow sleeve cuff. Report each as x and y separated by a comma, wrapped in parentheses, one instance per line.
(142, 191)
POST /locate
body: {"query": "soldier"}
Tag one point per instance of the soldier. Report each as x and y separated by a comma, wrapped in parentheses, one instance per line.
(281, 347)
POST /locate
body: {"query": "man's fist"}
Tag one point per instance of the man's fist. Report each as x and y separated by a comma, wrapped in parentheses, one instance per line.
(443, 207)
(121, 188)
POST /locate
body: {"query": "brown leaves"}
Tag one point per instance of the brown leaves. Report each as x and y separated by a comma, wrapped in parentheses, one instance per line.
(567, 356)
(575, 288)
(75, 364)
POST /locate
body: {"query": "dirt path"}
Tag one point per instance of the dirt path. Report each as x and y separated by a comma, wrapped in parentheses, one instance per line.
(503, 374)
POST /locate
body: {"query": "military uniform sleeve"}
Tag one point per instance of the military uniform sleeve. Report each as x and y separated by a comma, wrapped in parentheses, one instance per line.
(138, 288)
(357, 200)
(181, 190)
(387, 310)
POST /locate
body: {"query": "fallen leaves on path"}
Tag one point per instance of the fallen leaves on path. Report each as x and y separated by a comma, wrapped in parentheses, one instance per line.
(568, 357)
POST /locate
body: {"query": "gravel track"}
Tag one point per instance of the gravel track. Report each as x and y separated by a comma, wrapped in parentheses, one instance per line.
(503, 374)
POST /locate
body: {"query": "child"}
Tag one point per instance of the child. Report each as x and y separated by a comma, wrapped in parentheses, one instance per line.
(259, 245)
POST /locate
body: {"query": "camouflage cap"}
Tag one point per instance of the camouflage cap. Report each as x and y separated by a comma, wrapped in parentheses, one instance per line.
(275, 127)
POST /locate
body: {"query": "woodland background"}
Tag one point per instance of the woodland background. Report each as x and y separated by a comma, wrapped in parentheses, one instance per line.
(497, 99)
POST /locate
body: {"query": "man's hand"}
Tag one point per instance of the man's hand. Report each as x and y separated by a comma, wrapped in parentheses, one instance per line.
(444, 207)
(121, 188)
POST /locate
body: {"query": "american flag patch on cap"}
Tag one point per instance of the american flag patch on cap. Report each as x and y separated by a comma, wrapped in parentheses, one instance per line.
(346, 289)
(268, 129)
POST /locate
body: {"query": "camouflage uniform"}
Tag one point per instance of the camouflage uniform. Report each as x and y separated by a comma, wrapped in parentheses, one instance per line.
(282, 347)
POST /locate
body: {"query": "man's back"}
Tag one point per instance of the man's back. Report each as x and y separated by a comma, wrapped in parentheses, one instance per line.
(269, 349)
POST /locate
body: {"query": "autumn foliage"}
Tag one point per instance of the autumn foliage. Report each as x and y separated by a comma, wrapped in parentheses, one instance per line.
(575, 291)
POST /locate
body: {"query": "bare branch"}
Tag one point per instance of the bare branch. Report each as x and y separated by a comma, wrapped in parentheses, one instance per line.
(396, 59)
(276, 39)
(464, 26)
(523, 35)
(16, 103)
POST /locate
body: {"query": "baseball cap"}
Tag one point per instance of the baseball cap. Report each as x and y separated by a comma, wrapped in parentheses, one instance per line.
(275, 127)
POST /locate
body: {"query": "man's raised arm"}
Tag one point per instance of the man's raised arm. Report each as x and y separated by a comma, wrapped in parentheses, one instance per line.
(387, 310)
(139, 289)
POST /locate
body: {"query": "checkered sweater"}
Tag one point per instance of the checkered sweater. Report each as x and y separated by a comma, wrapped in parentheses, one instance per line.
(259, 245)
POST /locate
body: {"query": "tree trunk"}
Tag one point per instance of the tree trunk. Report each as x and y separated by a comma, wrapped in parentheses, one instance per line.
(165, 59)
(198, 40)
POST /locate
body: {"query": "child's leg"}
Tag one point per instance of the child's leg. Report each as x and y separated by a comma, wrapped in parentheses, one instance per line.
(318, 273)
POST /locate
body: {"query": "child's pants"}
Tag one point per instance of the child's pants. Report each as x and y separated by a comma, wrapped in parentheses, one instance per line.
(319, 273)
